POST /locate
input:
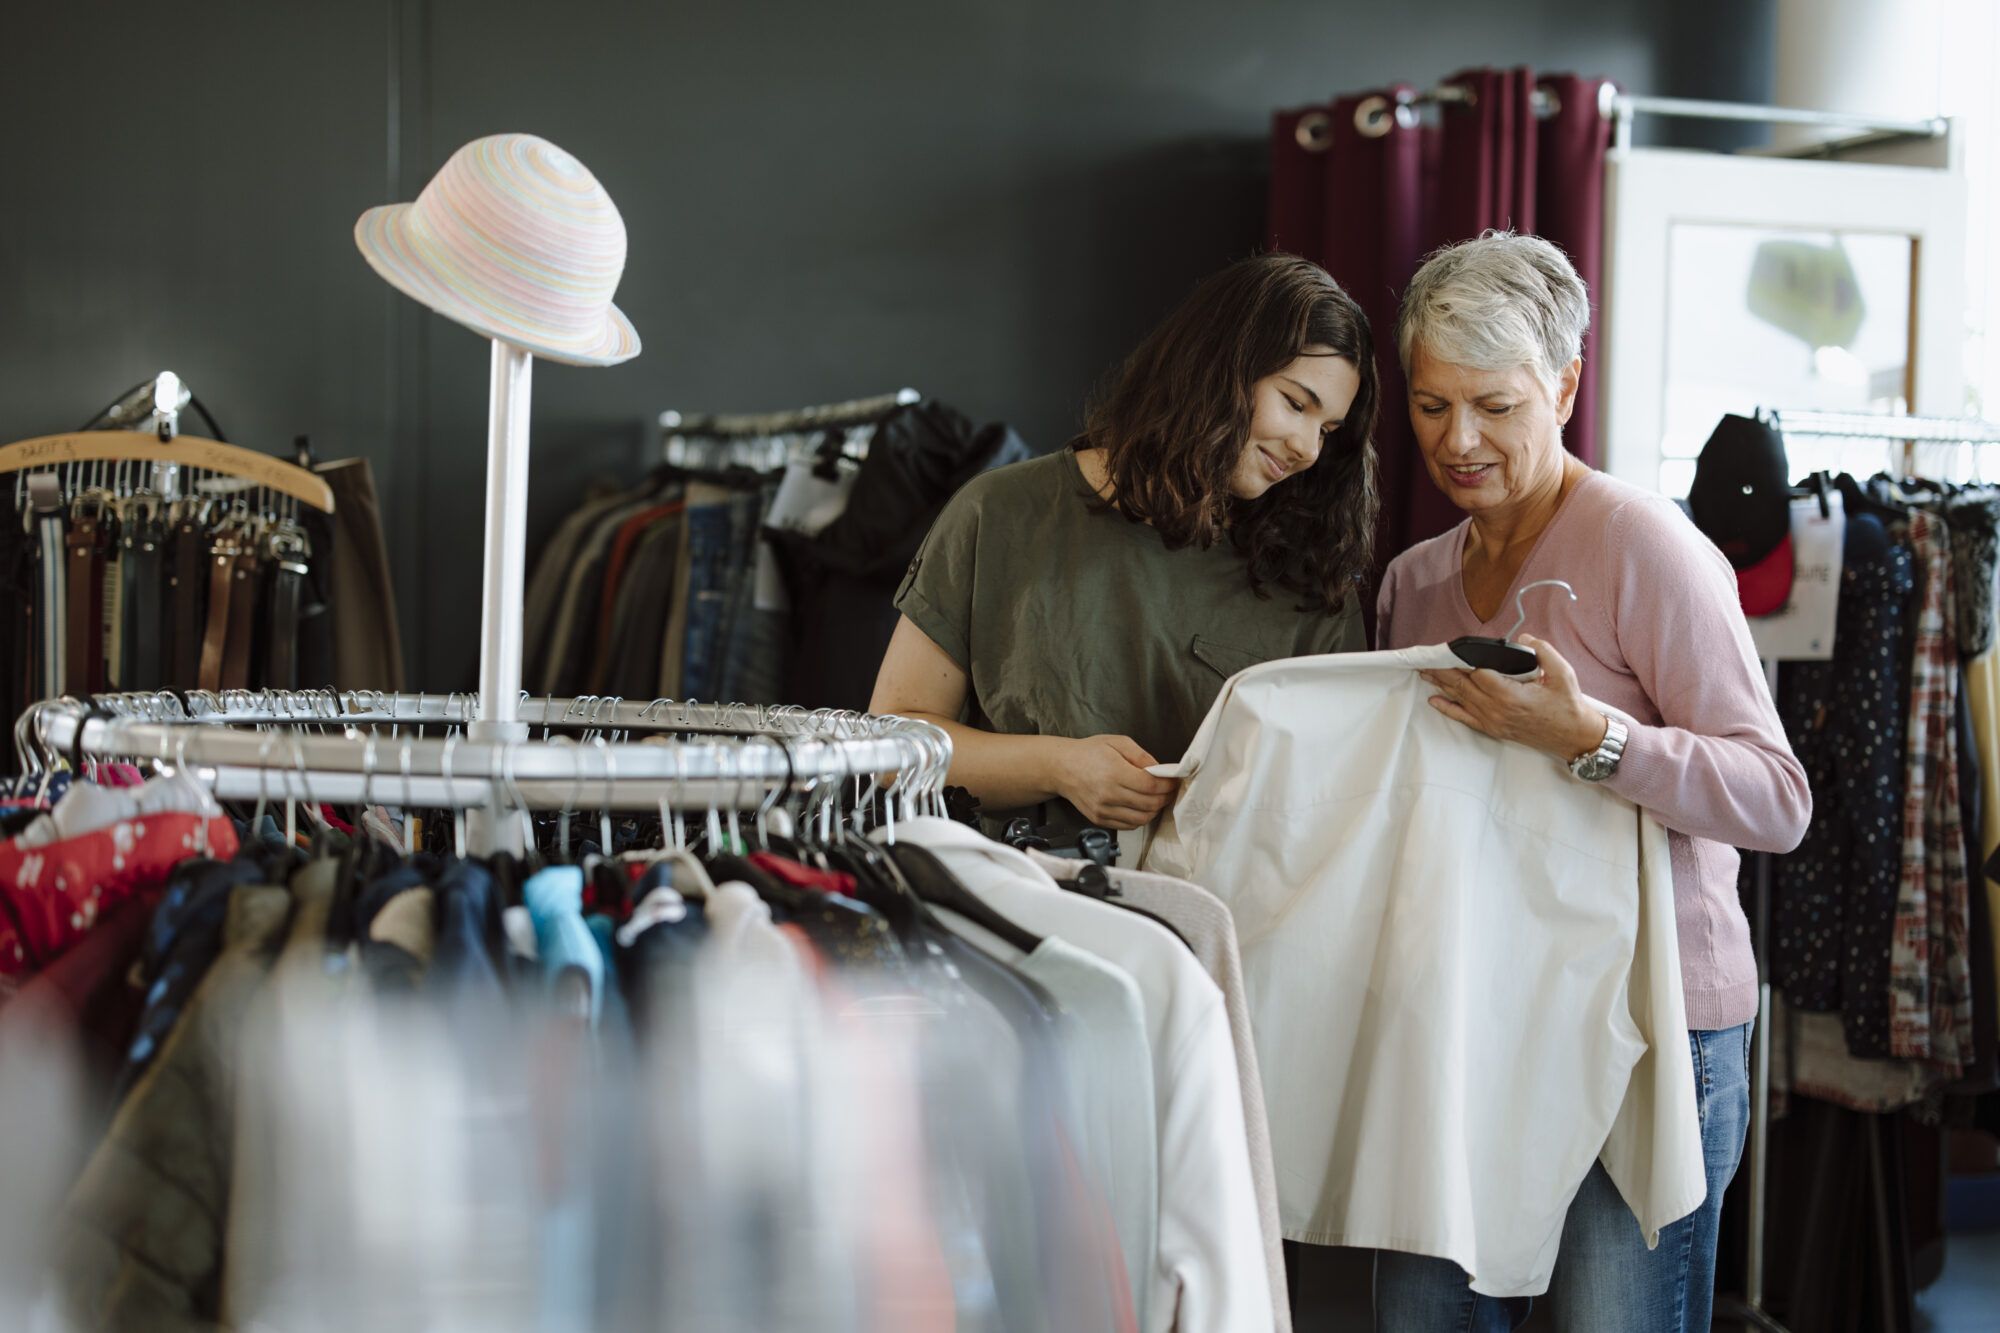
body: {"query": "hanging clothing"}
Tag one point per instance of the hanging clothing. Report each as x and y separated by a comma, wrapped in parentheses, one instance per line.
(1454, 1026)
(563, 943)
(1137, 643)
(1930, 986)
(367, 638)
(1107, 1065)
(1982, 678)
(1834, 898)
(765, 575)
(1211, 1262)
(1200, 919)
(52, 893)
(140, 1242)
(842, 580)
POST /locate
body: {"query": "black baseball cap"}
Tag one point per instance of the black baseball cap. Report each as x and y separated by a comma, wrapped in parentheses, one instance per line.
(1741, 498)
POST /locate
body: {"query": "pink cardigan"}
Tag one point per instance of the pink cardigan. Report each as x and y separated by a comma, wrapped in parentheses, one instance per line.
(1657, 636)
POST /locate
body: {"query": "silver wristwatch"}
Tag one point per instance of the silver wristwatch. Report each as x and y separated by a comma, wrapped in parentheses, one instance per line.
(1599, 764)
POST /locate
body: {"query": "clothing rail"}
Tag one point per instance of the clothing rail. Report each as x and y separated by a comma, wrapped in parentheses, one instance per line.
(1375, 116)
(1908, 431)
(1881, 426)
(854, 413)
(593, 712)
(734, 773)
(1625, 108)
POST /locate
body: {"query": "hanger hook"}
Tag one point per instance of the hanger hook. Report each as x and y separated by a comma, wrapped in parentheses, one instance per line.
(1521, 618)
(451, 796)
(604, 847)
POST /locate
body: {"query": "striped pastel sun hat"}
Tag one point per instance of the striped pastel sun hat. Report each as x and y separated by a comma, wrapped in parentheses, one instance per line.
(516, 240)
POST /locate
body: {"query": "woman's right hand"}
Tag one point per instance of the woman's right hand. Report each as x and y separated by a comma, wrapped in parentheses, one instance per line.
(1105, 778)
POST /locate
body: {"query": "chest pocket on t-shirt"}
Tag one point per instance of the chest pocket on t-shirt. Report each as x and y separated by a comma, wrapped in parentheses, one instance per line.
(1227, 659)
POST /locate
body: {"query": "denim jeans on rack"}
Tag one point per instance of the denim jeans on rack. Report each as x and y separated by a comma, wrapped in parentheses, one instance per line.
(738, 578)
(707, 598)
(753, 669)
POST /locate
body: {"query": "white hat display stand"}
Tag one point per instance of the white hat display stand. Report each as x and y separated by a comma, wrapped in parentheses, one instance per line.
(516, 240)
(504, 576)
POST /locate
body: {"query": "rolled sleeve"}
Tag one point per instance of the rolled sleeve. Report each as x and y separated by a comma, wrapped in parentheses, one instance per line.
(937, 589)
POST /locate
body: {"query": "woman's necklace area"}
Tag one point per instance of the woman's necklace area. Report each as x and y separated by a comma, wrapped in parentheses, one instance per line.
(1487, 577)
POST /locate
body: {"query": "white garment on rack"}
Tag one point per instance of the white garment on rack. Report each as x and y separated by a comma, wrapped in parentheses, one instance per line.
(1462, 966)
(88, 807)
(1107, 1065)
(1210, 1276)
(805, 503)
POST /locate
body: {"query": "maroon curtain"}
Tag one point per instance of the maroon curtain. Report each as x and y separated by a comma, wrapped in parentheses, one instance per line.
(1570, 209)
(1391, 190)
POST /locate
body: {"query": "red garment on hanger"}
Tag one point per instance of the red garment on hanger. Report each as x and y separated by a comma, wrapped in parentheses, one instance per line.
(51, 897)
(788, 871)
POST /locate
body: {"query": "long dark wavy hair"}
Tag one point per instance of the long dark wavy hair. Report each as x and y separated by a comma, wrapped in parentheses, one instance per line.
(1175, 419)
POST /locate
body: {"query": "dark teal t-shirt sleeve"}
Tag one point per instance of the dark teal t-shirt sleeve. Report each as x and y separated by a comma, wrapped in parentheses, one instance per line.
(937, 589)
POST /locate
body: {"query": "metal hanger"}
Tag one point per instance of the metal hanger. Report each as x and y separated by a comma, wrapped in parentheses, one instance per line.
(1503, 655)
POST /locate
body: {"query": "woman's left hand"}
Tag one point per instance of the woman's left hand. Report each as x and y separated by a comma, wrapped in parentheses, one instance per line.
(1545, 711)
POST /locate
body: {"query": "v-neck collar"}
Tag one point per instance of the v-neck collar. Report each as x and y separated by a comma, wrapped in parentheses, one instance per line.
(1522, 576)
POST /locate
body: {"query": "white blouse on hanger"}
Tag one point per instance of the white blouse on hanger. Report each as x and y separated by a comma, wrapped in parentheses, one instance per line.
(1462, 966)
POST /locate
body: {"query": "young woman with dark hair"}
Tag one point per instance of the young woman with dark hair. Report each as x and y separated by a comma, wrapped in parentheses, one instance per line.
(1069, 620)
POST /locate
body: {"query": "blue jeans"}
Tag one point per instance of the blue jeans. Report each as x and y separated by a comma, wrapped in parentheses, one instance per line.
(1606, 1280)
(707, 598)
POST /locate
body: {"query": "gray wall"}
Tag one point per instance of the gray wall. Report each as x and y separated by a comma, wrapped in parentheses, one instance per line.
(989, 201)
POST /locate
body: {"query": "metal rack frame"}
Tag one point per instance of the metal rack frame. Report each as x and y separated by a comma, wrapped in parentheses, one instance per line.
(601, 713)
(747, 761)
(856, 412)
(1906, 431)
(1376, 116)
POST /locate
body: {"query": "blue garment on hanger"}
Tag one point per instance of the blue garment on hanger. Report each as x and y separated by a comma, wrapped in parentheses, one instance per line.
(182, 939)
(554, 898)
(615, 1019)
(463, 963)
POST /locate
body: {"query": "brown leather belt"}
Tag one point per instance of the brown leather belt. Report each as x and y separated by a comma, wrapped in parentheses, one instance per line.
(111, 624)
(242, 622)
(83, 658)
(288, 582)
(215, 639)
(143, 597)
(182, 653)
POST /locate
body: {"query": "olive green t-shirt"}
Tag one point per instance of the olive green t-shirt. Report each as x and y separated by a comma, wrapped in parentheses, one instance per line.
(1071, 620)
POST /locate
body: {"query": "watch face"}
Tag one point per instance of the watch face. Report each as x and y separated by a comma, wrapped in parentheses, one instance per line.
(1592, 768)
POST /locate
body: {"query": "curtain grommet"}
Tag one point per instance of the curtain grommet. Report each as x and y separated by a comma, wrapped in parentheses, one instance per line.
(1314, 131)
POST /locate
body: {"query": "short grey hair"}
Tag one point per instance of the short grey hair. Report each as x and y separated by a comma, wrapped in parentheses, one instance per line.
(1494, 303)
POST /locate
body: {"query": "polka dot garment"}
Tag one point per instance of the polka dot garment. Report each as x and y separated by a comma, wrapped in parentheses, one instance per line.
(51, 896)
(1834, 899)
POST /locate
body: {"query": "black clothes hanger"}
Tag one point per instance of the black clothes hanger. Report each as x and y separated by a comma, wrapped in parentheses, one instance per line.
(936, 885)
(1820, 486)
(1482, 653)
(1861, 499)
(363, 860)
(879, 884)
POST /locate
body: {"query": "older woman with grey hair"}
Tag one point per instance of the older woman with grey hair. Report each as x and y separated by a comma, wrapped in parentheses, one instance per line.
(1649, 684)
